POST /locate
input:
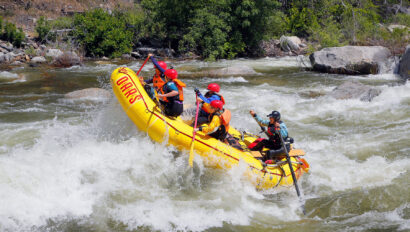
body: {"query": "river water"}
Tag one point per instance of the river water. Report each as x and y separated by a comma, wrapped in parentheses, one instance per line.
(83, 166)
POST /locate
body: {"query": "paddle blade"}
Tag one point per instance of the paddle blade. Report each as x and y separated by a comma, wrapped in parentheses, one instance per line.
(191, 155)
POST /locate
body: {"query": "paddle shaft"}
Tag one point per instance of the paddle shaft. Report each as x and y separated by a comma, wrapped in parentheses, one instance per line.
(191, 152)
(196, 119)
(292, 172)
(142, 66)
(289, 163)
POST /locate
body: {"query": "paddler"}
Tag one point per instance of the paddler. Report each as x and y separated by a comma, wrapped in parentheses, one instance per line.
(274, 143)
(211, 95)
(158, 80)
(170, 92)
(219, 121)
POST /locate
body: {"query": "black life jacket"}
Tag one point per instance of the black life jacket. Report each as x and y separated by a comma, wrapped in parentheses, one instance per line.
(274, 137)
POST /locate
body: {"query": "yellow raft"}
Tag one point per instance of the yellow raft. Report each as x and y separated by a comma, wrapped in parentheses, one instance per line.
(147, 116)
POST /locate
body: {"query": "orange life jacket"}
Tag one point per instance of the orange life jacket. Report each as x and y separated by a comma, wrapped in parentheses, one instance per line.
(157, 81)
(223, 129)
(207, 107)
(179, 85)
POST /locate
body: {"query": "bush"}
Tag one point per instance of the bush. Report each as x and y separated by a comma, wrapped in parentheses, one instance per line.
(62, 23)
(42, 29)
(299, 21)
(207, 35)
(102, 34)
(12, 34)
(327, 35)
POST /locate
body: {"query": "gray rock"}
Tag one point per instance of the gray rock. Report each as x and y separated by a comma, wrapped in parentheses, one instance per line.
(353, 60)
(126, 56)
(290, 43)
(404, 66)
(38, 60)
(232, 71)
(6, 45)
(354, 89)
(6, 58)
(135, 55)
(89, 94)
(16, 63)
(54, 53)
(67, 59)
(395, 26)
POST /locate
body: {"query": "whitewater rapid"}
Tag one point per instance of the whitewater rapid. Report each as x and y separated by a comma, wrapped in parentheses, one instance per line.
(67, 165)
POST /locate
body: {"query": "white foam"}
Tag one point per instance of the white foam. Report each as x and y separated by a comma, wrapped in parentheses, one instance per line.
(8, 75)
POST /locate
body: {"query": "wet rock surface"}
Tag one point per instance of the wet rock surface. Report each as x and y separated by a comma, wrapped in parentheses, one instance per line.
(351, 60)
(404, 68)
(354, 89)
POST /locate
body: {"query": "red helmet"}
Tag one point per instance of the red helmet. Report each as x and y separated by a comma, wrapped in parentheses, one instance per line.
(162, 64)
(214, 87)
(217, 104)
(171, 73)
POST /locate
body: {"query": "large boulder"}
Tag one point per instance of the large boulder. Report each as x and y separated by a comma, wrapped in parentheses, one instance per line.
(354, 89)
(404, 69)
(352, 60)
(89, 94)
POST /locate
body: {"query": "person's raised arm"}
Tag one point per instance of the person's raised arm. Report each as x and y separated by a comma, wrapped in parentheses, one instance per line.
(155, 62)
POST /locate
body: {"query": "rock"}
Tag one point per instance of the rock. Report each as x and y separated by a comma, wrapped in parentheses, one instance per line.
(16, 63)
(67, 59)
(126, 56)
(165, 52)
(290, 43)
(6, 58)
(6, 45)
(395, 26)
(311, 94)
(353, 60)
(38, 60)
(136, 55)
(354, 89)
(404, 66)
(43, 47)
(54, 53)
(232, 71)
(90, 93)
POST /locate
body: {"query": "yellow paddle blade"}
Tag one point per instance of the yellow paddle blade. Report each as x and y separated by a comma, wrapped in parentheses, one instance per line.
(296, 152)
(191, 155)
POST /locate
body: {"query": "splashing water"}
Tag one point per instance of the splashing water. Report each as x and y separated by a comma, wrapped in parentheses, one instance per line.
(75, 166)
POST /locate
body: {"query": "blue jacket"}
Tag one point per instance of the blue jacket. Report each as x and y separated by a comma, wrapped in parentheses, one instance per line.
(283, 128)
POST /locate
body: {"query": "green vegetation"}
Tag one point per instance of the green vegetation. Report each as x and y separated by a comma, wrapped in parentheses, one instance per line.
(102, 34)
(217, 29)
(43, 29)
(10, 33)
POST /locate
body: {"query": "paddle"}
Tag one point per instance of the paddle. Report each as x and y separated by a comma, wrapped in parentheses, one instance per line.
(289, 163)
(142, 66)
(293, 173)
(191, 152)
